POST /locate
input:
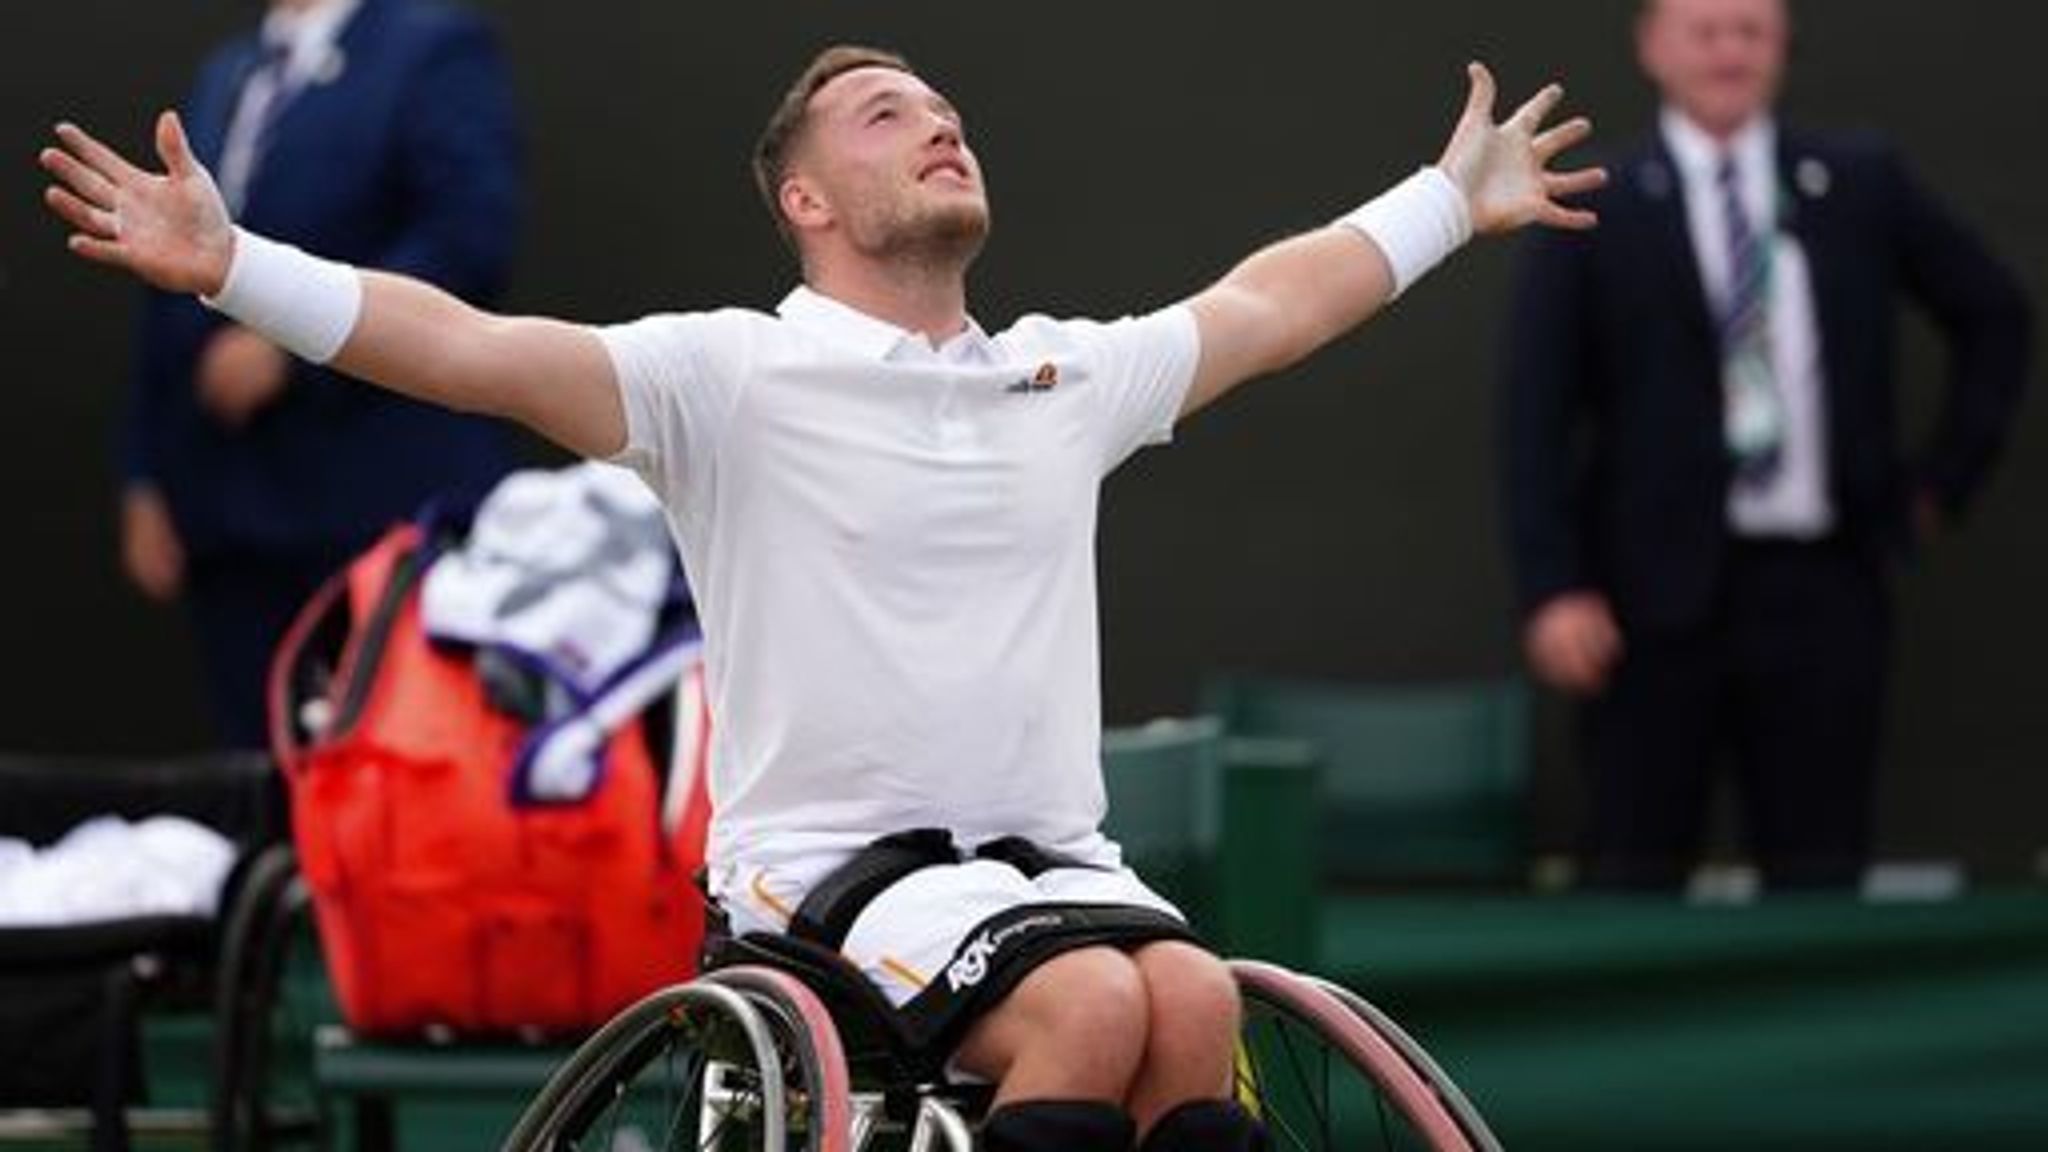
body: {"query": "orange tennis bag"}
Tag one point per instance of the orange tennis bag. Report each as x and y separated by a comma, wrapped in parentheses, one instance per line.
(448, 896)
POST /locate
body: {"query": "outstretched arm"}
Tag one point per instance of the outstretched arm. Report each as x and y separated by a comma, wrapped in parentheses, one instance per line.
(1289, 299)
(172, 231)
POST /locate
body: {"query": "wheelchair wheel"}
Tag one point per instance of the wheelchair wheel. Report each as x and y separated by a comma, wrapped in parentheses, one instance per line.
(1454, 1099)
(802, 1024)
(1321, 1077)
(726, 1064)
(256, 1105)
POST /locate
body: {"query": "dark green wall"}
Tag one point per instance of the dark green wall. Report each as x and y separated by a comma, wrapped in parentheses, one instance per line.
(1341, 521)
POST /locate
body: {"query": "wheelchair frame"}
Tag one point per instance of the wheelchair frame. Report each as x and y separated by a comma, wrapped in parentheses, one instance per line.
(764, 1061)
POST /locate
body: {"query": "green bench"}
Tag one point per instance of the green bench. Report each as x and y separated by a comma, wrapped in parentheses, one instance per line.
(1224, 827)
(1423, 784)
(469, 1093)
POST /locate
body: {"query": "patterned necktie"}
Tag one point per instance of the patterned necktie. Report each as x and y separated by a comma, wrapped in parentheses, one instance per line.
(1753, 416)
(264, 95)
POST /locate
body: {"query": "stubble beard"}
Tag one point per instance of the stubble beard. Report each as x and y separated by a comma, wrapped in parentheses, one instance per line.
(942, 237)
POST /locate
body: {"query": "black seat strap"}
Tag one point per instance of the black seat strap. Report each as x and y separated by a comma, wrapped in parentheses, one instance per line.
(1026, 856)
(829, 909)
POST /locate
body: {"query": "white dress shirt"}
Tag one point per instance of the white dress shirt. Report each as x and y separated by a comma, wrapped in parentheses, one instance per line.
(308, 35)
(1795, 502)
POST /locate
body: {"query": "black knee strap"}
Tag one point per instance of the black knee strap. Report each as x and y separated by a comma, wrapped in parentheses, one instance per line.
(1058, 1126)
(1206, 1126)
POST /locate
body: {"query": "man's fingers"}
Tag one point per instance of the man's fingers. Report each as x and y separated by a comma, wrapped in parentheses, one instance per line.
(1539, 107)
(80, 179)
(96, 155)
(172, 147)
(102, 251)
(1549, 143)
(1479, 100)
(1569, 219)
(1561, 184)
(81, 215)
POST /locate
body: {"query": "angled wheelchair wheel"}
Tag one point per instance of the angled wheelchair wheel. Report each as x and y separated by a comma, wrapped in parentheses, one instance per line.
(1322, 1077)
(1454, 1099)
(743, 1062)
(813, 1058)
(255, 1104)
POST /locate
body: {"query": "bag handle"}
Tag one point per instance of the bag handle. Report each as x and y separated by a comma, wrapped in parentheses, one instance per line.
(285, 745)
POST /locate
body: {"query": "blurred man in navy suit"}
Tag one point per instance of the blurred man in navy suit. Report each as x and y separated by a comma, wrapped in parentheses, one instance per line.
(1705, 485)
(379, 132)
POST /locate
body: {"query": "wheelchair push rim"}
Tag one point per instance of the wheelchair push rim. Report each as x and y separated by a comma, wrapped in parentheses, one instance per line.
(704, 1065)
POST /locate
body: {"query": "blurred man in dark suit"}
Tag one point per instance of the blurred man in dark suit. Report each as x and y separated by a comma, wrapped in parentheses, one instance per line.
(1705, 485)
(375, 131)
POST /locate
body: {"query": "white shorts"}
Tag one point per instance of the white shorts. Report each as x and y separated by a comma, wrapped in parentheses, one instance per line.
(908, 936)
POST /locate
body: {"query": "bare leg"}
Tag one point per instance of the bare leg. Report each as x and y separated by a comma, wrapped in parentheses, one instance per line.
(1191, 1033)
(1075, 1029)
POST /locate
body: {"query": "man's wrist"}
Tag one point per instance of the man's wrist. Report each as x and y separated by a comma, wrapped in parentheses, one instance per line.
(306, 305)
(1415, 224)
(219, 280)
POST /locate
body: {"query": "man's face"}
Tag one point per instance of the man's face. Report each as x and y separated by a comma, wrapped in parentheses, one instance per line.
(890, 158)
(1717, 61)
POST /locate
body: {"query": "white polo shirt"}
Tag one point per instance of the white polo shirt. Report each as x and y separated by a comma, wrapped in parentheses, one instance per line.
(893, 552)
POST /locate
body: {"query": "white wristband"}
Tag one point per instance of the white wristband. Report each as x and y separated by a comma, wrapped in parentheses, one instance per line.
(1415, 224)
(306, 304)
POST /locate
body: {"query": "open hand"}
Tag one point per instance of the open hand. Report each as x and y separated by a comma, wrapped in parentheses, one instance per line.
(1504, 169)
(172, 230)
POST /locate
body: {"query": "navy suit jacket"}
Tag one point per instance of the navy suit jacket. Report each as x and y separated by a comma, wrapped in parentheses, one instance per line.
(1617, 475)
(405, 158)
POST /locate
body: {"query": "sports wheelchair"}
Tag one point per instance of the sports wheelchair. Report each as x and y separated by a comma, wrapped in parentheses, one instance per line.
(783, 1044)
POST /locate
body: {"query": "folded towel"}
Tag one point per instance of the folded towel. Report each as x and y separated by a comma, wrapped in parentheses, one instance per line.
(566, 571)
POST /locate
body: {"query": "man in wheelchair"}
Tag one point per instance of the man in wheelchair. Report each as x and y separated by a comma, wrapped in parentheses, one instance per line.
(888, 517)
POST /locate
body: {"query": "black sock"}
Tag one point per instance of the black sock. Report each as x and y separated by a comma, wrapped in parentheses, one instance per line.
(1206, 1126)
(1058, 1126)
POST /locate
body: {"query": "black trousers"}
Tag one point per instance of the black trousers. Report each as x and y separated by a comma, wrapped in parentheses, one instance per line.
(1785, 682)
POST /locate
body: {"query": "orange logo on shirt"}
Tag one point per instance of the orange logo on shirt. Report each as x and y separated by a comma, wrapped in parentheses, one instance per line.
(1043, 380)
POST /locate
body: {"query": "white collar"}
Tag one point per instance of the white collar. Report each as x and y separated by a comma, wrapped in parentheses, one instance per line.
(310, 31)
(1698, 153)
(874, 338)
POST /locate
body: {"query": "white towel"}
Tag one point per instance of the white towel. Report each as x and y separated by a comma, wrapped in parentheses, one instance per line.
(568, 570)
(110, 869)
(560, 761)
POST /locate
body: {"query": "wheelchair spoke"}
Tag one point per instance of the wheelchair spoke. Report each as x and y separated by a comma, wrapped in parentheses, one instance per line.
(1320, 1080)
(680, 1106)
(1327, 1096)
(696, 1066)
(1264, 1032)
